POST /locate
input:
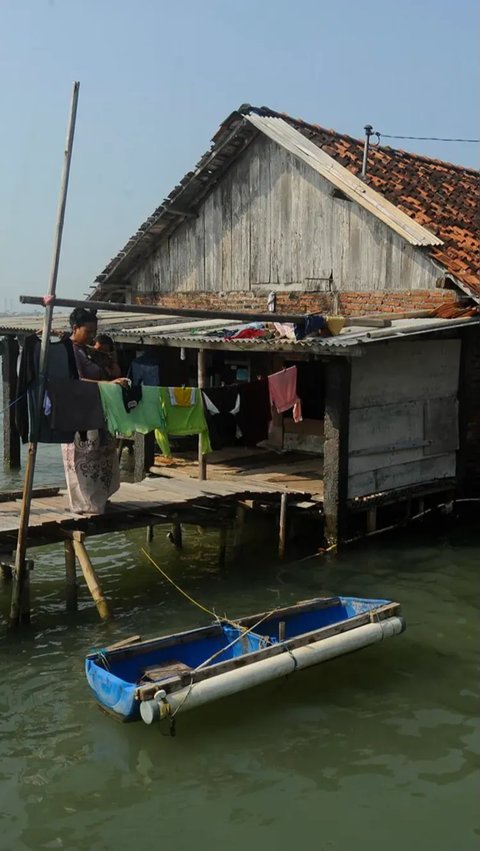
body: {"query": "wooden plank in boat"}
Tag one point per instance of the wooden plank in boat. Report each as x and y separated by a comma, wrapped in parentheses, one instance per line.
(166, 671)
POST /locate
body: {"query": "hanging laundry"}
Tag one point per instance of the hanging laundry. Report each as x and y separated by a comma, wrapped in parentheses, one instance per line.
(60, 364)
(285, 329)
(255, 411)
(184, 397)
(222, 405)
(131, 397)
(310, 327)
(76, 405)
(182, 420)
(145, 370)
(249, 333)
(147, 416)
(283, 392)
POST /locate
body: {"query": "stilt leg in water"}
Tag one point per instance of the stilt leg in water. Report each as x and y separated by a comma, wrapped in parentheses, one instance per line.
(282, 530)
(5, 571)
(149, 535)
(239, 525)
(91, 577)
(70, 577)
(222, 547)
(372, 520)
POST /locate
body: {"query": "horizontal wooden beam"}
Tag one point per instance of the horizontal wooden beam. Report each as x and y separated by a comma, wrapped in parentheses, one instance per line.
(159, 310)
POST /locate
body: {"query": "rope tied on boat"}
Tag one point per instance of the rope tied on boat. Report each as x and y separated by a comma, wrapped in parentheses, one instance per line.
(288, 650)
(200, 606)
(177, 587)
(164, 701)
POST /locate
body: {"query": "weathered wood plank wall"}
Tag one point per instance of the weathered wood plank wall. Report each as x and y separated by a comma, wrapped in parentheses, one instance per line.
(403, 426)
(272, 221)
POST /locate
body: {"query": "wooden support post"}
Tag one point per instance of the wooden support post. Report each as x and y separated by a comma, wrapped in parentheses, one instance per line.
(335, 471)
(176, 535)
(91, 577)
(201, 376)
(408, 510)
(238, 528)
(144, 455)
(282, 526)
(149, 535)
(70, 577)
(222, 547)
(6, 571)
(11, 437)
(25, 593)
(371, 520)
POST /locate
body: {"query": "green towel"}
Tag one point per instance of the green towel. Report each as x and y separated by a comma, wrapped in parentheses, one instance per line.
(146, 417)
(182, 420)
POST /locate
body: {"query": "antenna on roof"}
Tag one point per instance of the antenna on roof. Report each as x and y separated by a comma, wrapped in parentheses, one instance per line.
(368, 132)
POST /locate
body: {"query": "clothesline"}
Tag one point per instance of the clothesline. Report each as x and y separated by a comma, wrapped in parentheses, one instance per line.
(222, 416)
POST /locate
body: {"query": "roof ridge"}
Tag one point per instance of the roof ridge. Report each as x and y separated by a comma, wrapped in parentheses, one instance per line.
(267, 111)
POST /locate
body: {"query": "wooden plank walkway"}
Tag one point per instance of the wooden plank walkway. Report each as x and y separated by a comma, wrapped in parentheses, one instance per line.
(150, 502)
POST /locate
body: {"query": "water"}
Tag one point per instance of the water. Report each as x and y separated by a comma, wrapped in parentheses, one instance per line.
(376, 750)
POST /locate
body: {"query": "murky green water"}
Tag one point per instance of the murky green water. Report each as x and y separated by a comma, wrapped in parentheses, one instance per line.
(376, 750)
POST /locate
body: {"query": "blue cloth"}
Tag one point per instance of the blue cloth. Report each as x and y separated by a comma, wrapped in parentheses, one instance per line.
(145, 370)
(311, 325)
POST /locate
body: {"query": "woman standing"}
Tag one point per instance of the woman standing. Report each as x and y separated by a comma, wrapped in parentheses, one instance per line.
(90, 462)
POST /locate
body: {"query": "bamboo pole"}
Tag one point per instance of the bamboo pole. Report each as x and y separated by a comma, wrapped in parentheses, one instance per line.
(91, 577)
(159, 310)
(20, 571)
(201, 374)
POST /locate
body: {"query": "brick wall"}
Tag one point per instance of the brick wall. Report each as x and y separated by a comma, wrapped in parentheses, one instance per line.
(349, 303)
(469, 414)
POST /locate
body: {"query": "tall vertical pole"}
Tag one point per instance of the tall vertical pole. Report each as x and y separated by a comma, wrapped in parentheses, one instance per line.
(19, 577)
(201, 372)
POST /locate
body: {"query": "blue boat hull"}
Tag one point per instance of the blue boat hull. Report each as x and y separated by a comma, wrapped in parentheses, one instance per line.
(121, 678)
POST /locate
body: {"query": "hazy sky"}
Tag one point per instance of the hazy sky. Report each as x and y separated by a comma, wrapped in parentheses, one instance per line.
(157, 78)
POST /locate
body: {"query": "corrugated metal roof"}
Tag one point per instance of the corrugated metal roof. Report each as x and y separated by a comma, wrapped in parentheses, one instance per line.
(284, 134)
(32, 322)
(138, 329)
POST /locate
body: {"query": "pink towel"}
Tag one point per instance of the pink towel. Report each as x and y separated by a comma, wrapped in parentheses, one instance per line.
(283, 392)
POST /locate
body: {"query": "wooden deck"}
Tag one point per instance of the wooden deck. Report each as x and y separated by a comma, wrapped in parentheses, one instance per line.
(148, 503)
(289, 471)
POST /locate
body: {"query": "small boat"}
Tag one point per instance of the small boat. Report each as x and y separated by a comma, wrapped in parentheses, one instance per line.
(164, 676)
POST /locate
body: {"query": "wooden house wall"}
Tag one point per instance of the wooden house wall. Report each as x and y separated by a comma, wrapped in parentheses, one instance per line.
(403, 427)
(273, 221)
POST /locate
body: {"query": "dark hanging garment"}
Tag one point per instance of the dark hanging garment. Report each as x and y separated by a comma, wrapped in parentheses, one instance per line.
(76, 406)
(60, 364)
(222, 405)
(255, 411)
(145, 370)
(26, 374)
(131, 397)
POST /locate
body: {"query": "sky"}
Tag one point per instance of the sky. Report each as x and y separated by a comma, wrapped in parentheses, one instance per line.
(156, 80)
